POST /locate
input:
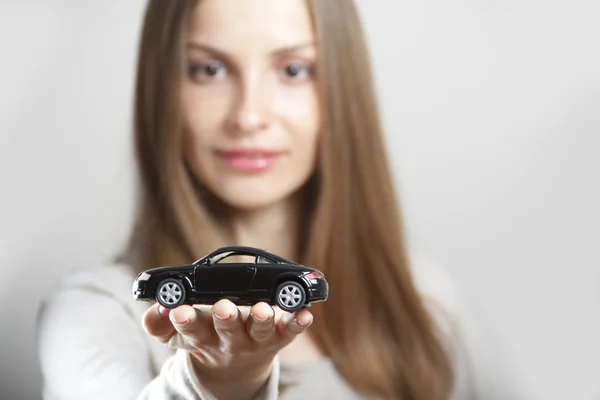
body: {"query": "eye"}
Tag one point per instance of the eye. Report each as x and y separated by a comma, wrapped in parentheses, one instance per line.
(206, 71)
(297, 71)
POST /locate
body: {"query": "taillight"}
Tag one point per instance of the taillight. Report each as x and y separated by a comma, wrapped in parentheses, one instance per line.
(314, 275)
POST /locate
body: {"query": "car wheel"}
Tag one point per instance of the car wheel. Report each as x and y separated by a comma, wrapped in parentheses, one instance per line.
(290, 296)
(170, 293)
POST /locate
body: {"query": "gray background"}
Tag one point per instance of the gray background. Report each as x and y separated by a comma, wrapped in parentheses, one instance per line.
(492, 112)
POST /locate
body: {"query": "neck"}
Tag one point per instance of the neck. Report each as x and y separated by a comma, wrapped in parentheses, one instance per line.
(274, 228)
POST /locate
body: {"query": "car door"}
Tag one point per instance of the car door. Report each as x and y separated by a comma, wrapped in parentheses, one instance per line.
(224, 278)
(266, 276)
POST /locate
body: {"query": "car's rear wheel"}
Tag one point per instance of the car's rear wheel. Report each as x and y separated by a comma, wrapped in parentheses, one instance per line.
(290, 296)
(170, 293)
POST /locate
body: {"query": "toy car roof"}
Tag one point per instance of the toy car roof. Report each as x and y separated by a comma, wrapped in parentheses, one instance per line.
(247, 250)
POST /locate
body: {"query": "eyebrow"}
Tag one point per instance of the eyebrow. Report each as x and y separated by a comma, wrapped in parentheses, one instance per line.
(194, 45)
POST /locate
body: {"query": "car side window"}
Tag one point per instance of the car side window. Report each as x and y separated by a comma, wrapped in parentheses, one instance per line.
(233, 257)
(263, 260)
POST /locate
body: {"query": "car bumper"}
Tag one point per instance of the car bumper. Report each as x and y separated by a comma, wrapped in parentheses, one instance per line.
(139, 290)
(319, 291)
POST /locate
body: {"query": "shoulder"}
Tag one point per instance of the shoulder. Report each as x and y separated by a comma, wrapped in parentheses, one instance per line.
(84, 297)
(88, 330)
(434, 283)
(440, 297)
(88, 327)
(83, 289)
(111, 279)
(453, 319)
(99, 290)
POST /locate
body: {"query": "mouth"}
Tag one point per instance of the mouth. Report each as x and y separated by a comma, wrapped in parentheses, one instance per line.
(250, 160)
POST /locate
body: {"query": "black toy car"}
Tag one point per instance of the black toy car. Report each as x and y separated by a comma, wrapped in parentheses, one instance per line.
(268, 278)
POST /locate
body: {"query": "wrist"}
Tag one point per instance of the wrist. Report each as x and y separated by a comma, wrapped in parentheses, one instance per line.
(232, 383)
(247, 371)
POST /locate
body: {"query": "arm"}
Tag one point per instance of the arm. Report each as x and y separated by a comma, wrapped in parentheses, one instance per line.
(92, 346)
(235, 357)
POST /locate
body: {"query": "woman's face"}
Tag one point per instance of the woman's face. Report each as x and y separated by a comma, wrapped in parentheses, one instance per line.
(249, 99)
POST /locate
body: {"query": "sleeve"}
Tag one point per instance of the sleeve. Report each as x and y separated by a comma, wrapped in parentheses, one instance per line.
(91, 346)
(177, 382)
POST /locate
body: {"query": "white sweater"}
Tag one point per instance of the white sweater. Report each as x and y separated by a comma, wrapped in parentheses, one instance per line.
(92, 346)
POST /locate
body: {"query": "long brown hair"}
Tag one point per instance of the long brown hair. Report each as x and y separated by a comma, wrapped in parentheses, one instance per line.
(374, 326)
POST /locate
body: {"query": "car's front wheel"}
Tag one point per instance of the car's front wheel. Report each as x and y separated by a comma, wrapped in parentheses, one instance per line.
(170, 293)
(290, 296)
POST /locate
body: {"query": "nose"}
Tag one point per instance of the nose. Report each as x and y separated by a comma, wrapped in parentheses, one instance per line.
(248, 120)
(250, 111)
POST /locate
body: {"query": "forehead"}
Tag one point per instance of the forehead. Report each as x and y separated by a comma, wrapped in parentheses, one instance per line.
(241, 24)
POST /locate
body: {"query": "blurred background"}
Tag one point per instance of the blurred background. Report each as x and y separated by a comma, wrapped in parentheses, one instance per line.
(492, 111)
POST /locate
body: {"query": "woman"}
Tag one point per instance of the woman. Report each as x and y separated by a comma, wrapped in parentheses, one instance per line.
(256, 124)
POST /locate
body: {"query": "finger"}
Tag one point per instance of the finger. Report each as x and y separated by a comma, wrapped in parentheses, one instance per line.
(192, 324)
(228, 323)
(292, 325)
(261, 321)
(155, 322)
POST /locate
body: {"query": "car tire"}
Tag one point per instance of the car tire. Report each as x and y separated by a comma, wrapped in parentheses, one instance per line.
(170, 293)
(290, 296)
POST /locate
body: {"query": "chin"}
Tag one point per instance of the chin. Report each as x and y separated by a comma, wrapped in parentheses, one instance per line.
(257, 194)
(252, 201)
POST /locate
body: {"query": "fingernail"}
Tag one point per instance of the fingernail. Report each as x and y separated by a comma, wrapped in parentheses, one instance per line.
(223, 317)
(300, 322)
(287, 318)
(164, 311)
(184, 322)
(260, 319)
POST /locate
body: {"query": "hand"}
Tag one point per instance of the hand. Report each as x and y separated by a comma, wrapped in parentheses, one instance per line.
(228, 342)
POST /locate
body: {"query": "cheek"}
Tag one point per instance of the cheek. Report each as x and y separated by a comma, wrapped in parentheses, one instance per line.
(204, 110)
(302, 112)
(298, 106)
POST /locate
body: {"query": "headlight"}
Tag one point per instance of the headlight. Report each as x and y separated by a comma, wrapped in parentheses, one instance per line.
(143, 277)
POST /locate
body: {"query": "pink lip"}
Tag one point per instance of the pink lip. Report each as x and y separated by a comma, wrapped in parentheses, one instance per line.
(249, 159)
